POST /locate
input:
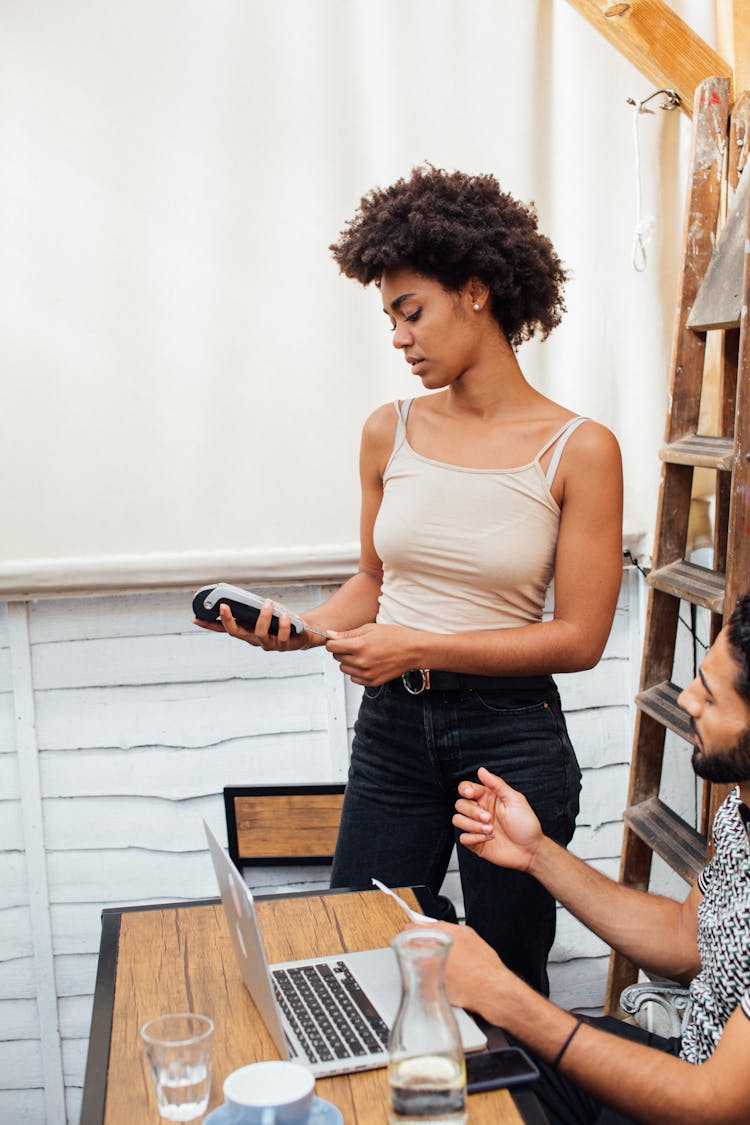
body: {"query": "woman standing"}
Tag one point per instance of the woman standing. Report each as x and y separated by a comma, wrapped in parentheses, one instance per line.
(474, 499)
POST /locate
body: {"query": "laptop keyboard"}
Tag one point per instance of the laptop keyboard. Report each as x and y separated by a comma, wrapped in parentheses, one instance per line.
(328, 1011)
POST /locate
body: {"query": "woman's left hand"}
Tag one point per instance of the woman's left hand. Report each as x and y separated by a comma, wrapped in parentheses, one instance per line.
(373, 654)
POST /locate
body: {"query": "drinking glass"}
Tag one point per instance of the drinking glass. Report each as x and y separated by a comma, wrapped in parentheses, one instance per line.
(178, 1048)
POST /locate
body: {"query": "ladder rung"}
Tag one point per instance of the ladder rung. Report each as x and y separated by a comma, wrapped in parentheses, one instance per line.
(696, 584)
(700, 450)
(667, 834)
(660, 702)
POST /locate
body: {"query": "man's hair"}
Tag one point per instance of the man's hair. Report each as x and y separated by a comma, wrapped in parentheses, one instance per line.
(452, 227)
(738, 635)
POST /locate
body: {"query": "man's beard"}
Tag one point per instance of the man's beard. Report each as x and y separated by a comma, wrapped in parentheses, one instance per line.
(725, 766)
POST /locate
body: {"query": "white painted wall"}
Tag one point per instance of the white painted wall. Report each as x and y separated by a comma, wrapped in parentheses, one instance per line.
(126, 722)
(171, 323)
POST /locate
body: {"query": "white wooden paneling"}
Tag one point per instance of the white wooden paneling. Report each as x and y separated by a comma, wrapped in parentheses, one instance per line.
(9, 784)
(17, 976)
(73, 1100)
(6, 727)
(21, 1061)
(11, 828)
(603, 795)
(74, 1059)
(185, 772)
(24, 1106)
(601, 736)
(7, 720)
(282, 880)
(618, 642)
(608, 682)
(13, 879)
(579, 984)
(137, 876)
(27, 750)
(178, 715)
(200, 657)
(15, 932)
(76, 975)
(19, 1019)
(76, 927)
(114, 823)
(596, 842)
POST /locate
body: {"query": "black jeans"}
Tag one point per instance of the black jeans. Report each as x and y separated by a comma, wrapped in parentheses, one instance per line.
(408, 756)
(567, 1104)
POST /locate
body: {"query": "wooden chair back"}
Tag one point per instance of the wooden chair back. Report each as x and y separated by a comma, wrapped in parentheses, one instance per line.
(273, 825)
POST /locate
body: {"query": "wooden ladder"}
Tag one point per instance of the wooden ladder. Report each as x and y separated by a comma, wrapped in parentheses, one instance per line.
(715, 285)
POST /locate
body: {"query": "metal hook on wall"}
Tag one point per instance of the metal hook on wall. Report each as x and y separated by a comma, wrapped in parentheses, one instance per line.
(645, 224)
(672, 102)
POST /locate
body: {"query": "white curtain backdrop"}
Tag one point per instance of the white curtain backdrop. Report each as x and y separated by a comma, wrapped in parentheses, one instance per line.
(183, 370)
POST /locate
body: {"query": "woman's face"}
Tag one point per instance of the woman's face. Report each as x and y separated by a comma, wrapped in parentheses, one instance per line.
(437, 330)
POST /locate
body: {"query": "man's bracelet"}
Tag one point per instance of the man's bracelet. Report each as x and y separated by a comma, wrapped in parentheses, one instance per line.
(558, 1057)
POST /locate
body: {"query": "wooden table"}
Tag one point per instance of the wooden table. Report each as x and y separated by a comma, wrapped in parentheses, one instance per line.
(179, 958)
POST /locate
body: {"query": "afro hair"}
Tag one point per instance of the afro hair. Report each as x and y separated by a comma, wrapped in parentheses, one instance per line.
(452, 227)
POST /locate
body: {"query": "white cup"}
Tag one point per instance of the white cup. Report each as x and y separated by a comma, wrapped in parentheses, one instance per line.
(269, 1093)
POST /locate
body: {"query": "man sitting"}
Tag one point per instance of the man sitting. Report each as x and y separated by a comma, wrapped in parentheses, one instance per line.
(588, 1074)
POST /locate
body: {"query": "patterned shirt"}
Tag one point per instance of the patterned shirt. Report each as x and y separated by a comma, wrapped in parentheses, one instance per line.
(723, 935)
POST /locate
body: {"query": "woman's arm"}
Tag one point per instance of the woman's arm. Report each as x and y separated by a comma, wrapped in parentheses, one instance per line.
(587, 576)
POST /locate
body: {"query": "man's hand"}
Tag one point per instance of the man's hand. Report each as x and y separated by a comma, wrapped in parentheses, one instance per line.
(473, 969)
(497, 823)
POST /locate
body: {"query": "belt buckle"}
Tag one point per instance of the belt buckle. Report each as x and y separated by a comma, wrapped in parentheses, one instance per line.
(423, 686)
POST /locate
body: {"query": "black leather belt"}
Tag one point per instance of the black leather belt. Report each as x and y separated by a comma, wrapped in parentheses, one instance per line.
(418, 680)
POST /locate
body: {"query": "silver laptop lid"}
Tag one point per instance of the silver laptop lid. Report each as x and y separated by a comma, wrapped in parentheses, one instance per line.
(239, 909)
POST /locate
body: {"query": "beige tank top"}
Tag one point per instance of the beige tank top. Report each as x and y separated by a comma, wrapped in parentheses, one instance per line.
(465, 549)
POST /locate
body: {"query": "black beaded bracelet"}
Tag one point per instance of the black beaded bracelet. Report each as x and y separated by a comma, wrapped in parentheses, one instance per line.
(558, 1057)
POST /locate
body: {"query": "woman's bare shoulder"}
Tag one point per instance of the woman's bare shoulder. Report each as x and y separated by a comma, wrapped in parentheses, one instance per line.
(593, 440)
(592, 460)
(378, 435)
(383, 420)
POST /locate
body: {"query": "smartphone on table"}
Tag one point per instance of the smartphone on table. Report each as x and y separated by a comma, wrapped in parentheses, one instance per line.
(501, 1066)
(245, 606)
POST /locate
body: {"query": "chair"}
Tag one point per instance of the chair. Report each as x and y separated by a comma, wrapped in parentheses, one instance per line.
(658, 1006)
(283, 826)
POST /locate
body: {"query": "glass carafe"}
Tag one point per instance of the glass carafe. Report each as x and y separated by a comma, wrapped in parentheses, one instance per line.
(426, 1067)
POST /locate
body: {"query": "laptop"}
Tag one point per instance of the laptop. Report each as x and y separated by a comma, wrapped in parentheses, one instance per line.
(330, 1013)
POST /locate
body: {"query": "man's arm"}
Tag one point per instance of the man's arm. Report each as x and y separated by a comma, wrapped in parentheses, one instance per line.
(640, 1082)
(657, 933)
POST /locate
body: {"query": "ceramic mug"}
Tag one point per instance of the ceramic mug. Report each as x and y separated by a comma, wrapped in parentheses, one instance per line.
(269, 1093)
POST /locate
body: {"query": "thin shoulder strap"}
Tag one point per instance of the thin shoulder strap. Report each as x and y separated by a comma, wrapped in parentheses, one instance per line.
(561, 437)
(402, 410)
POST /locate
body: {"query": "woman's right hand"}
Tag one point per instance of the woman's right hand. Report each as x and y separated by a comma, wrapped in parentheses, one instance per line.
(497, 823)
(259, 637)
